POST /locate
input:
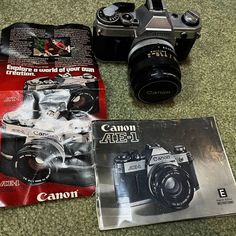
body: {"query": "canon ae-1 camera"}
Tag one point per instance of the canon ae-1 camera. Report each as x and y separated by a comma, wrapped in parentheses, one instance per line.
(153, 41)
(38, 150)
(155, 175)
(47, 139)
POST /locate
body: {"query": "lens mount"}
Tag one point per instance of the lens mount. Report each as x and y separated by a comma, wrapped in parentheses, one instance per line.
(171, 186)
(154, 71)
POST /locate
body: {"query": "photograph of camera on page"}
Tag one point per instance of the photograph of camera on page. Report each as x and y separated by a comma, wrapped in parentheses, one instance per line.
(152, 41)
(51, 91)
(162, 176)
(47, 138)
(153, 171)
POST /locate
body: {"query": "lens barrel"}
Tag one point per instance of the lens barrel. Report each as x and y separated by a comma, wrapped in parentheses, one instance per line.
(154, 71)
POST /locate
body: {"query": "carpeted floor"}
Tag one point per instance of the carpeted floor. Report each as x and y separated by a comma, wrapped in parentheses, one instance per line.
(209, 85)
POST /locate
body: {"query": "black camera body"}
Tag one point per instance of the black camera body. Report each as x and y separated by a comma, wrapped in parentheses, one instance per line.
(156, 175)
(152, 40)
(47, 139)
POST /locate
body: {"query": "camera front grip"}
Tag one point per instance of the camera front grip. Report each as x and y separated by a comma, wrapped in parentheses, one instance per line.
(183, 47)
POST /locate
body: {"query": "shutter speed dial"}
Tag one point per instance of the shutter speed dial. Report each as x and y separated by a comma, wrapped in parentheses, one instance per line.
(108, 15)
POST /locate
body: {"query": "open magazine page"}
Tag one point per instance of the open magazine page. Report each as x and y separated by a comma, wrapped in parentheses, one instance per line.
(157, 171)
(51, 91)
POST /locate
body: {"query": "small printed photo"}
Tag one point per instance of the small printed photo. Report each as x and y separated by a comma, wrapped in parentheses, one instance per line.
(51, 47)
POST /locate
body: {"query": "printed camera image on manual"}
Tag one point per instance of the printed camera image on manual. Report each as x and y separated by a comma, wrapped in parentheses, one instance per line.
(161, 170)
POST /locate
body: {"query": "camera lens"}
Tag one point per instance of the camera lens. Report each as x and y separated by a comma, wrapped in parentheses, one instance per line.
(154, 71)
(82, 101)
(34, 162)
(123, 158)
(30, 169)
(171, 185)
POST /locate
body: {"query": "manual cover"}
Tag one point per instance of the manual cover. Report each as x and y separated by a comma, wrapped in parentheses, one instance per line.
(50, 91)
(160, 170)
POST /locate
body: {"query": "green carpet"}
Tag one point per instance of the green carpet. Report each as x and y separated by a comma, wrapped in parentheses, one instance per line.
(209, 85)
